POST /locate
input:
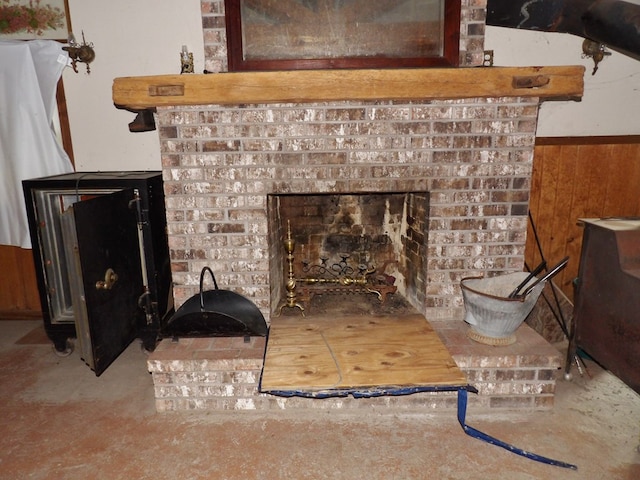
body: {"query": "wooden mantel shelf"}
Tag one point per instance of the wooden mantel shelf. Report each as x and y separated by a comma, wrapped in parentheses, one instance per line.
(304, 86)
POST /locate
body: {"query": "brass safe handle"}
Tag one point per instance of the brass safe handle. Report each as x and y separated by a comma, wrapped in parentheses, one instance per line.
(110, 277)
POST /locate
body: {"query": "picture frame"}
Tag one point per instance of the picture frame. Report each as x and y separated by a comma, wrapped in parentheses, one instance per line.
(34, 20)
(324, 34)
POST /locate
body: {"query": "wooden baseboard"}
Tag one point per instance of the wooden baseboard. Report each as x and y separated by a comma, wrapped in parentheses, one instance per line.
(589, 140)
(20, 315)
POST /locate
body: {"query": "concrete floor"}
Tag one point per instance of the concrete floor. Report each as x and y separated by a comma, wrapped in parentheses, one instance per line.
(58, 421)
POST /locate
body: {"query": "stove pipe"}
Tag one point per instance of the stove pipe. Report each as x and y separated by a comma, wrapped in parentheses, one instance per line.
(615, 23)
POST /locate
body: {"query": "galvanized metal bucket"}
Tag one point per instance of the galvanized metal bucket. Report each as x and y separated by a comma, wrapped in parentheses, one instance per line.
(492, 315)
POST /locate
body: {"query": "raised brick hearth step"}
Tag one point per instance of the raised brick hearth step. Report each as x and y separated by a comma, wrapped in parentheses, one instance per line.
(223, 374)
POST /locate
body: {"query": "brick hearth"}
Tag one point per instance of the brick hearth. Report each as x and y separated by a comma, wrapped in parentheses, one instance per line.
(223, 374)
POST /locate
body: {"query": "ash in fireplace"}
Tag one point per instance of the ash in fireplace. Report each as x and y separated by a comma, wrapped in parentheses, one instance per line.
(353, 304)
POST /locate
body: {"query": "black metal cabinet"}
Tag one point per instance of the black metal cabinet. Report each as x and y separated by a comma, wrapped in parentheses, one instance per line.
(607, 303)
(102, 260)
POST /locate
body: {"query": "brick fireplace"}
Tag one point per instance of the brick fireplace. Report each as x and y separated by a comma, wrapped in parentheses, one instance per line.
(469, 158)
(473, 156)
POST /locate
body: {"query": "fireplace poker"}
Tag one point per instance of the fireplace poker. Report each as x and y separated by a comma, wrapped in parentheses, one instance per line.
(535, 272)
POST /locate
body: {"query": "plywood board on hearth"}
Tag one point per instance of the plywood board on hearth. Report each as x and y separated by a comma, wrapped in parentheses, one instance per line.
(346, 352)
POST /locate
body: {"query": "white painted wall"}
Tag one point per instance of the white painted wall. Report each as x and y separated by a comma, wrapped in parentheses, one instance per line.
(611, 101)
(144, 37)
(131, 38)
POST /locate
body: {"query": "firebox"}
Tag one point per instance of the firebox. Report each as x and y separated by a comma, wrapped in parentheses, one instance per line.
(360, 243)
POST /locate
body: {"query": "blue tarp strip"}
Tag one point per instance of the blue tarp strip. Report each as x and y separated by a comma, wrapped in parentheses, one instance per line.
(462, 411)
(365, 393)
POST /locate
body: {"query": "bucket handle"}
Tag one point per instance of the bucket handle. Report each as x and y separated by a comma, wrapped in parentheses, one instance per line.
(547, 276)
(215, 284)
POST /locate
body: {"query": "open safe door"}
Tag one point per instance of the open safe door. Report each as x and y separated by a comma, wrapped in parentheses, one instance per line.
(102, 244)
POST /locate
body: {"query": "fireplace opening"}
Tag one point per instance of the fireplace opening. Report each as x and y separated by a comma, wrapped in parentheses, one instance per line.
(353, 249)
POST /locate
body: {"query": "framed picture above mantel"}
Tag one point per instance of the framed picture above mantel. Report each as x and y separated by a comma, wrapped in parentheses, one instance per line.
(34, 20)
(325, 34)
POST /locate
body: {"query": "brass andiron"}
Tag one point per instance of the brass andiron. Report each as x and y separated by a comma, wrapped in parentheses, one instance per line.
(291, 301)
(338, 277)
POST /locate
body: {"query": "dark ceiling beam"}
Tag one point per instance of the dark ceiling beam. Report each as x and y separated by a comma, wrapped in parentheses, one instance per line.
(615, 23)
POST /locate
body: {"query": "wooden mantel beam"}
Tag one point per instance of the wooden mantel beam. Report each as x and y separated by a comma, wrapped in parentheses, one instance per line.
(305, 86)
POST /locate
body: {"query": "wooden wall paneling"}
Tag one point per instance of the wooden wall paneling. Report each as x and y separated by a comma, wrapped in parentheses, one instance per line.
(543, 215)
(585, 177)
(563, 223)
(622, 187)
(19, 296)
(532, 253)
(573, 240)
(632, 194)
(579, 178)
(616, 185)
(596, 169)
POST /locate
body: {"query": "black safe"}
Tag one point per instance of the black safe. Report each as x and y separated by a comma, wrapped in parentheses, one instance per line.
(102, 262)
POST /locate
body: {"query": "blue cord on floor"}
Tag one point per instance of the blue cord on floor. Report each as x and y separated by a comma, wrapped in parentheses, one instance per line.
(462, 413)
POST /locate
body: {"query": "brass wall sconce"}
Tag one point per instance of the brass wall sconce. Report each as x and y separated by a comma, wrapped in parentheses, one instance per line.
(186, 61)
(596, 51)
(80, 52)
